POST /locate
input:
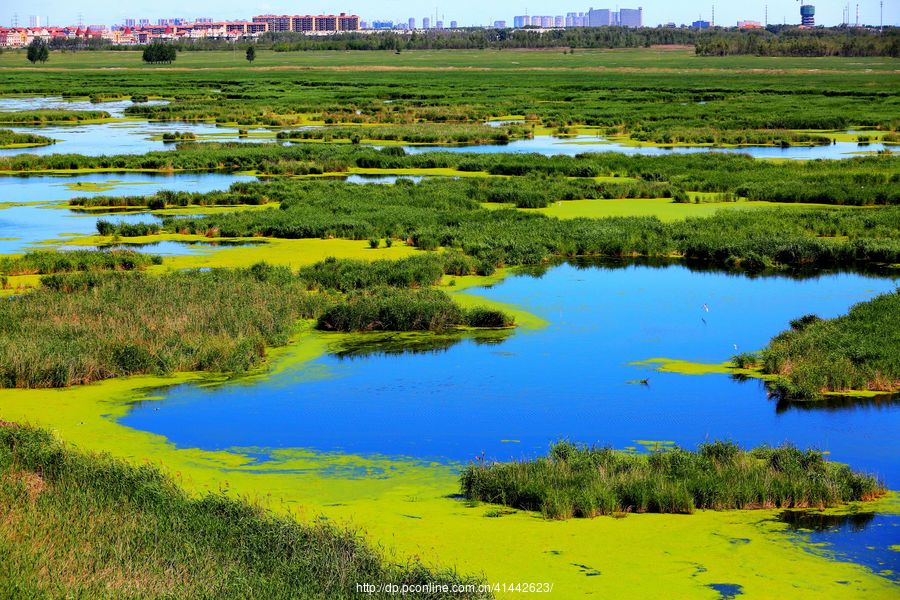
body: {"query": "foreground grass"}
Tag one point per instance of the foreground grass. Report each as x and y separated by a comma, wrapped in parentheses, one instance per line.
(859, 351)
(86, 525)
(582, 481)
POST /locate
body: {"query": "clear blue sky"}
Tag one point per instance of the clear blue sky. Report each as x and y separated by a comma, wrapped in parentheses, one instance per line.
(467, 12)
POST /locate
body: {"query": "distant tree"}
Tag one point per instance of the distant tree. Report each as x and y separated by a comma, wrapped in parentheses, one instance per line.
(251, 54)
(157, 52)
(38, 51)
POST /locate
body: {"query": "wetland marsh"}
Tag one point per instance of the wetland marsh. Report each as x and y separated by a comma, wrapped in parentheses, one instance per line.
(486, 302)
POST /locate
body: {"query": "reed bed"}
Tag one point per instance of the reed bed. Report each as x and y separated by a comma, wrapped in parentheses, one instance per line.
(414, 134)
(14, 138)
(78, 328)
(449, 214)
(87, 525)
(398, 309)
(857, 351)
(40, 117)
(586, 481)
(858, 181)
(236, 194)
(45, 262)
(81, 328)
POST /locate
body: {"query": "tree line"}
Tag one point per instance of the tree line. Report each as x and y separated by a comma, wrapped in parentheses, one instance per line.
(776, 40)
(158, 52)
(782, 41)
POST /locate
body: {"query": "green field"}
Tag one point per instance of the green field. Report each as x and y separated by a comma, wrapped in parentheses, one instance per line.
(663, 58)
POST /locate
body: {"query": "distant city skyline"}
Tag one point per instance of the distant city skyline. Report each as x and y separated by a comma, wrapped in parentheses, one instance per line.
(465, 12)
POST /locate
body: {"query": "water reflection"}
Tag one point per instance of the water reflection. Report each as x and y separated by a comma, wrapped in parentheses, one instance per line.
(865, 538)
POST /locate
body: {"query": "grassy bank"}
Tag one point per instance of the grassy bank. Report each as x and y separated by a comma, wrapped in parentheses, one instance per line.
(582, 481)
(859, 351)
(14, 139)
(46, 117)
(88, 525)
(47, 262)
(84, 327)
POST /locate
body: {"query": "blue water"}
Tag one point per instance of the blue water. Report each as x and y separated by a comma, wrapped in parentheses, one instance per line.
(115, 108)
(23, 226)
(569, 379)
(863, 538)
(549, 145)
(130, 137)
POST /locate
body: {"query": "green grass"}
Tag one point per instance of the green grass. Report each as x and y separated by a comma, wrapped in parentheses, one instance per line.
(860, 181)
(44, 117)
(44, 262)
(77, 328)
(413, 134)
(647, 91)
(581, 481)
(14, 139)
(859, 351)
(398, 309)
(510, 59)
(450, 214)
(86, 525)
(82, 328)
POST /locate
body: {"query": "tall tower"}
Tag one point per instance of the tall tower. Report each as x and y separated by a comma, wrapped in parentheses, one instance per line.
(807, 15)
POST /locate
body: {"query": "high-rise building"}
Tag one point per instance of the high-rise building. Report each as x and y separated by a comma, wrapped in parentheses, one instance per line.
(520, 21)
(453, 24)
(559, 21)
(412, 23)
(499, 24)
(630, 17)
(600, 18)
(304, 23)
(701, 24)
(34, 21)
(129, 22)
(426, 23)
(547, 22)
(439, 24)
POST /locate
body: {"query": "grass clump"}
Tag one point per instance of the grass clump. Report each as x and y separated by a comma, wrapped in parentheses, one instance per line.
(87, 525)
(346, 275)
(13, 139)
(45, 262)
(857, 351)
(80, 328)
(39, 117)
(586, 481)
(399, 309)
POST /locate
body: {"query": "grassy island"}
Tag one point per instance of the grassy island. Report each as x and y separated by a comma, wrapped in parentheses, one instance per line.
(14, 139)
(857, 352)
(586, 481)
